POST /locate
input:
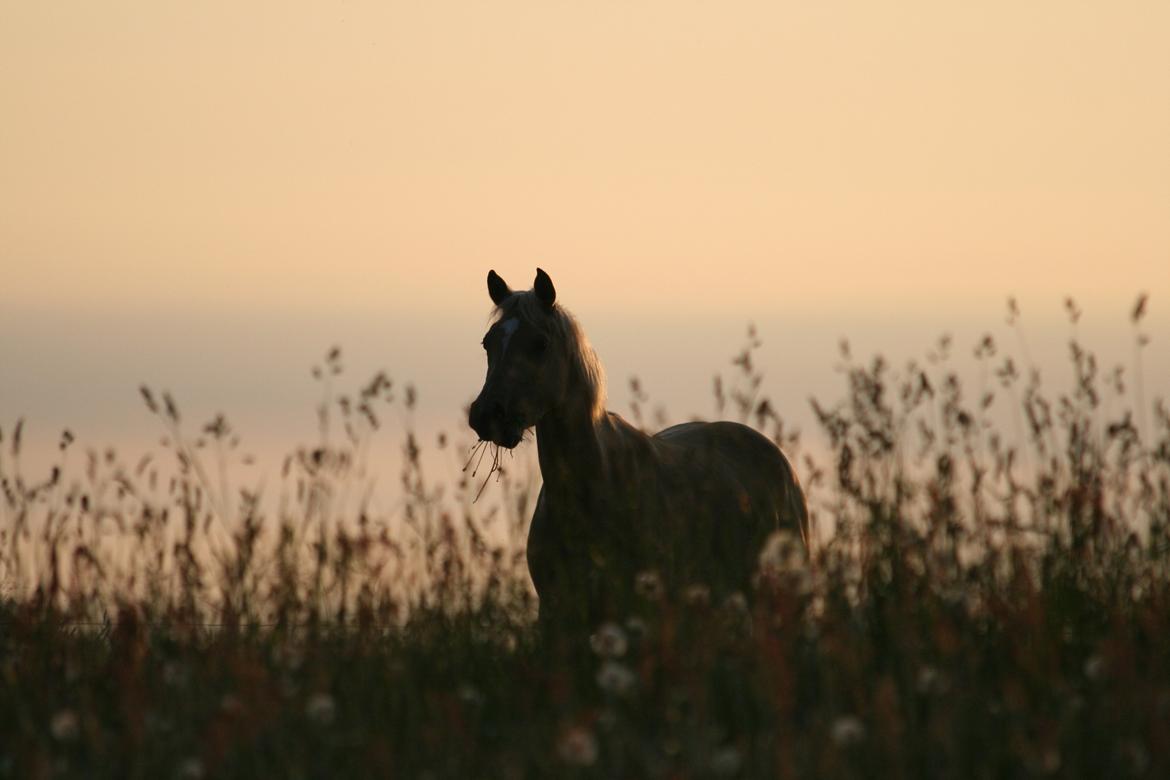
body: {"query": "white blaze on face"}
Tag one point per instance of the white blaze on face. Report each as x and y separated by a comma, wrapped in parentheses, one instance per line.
(508, 327)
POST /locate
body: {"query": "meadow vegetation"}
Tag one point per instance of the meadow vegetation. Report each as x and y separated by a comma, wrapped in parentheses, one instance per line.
(988, 595)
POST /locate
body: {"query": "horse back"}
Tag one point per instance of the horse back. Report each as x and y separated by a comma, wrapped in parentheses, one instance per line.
(740, 458)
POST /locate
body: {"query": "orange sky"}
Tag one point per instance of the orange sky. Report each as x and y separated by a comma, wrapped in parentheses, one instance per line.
(730, 157)
(207, 196)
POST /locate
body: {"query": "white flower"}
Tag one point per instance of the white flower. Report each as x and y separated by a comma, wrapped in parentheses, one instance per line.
(470, 695)
(784, 560)
(615, 678)
(291, 657)
(736, 604)
(783, 551)
(726, 762)
(577, 746)
(648, 585)
(190, 769)
(174, 674)
(609, 641)
(697, 595)
(928, 680)
(65, 726)
(320, 709)
(847, 731)
(735, 615)
(636, 627)
(1049, 762)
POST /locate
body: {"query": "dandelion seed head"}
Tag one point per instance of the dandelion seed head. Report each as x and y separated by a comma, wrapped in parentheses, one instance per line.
(609, 641)
(189, 769)
(174, 674)
(648, 585)
(321, 709)
(577, 746)
(470, 695)
(636, 628)
(615, 678)
(726, 762)
(783, 560)
(65, 726)
(847, 731)
(928, 680)
(697, 595)
(735, 605)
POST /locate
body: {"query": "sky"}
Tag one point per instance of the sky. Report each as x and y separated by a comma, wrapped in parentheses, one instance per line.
(208, 196)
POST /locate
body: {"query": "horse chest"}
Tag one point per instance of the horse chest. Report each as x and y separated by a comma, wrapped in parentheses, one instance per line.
(572, 542)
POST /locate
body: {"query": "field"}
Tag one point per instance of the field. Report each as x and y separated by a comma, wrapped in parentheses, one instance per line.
(988, 596)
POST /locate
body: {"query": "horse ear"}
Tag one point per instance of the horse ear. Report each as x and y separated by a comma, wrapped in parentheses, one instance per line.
(497, 288)
(544, 289)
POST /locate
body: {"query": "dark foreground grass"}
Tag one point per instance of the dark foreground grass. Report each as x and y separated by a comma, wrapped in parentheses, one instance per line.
(985, 605)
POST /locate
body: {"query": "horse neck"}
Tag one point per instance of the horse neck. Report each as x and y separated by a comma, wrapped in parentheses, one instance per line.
(569, 447)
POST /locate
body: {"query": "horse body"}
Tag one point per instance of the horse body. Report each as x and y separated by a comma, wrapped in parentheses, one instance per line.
(693, 503)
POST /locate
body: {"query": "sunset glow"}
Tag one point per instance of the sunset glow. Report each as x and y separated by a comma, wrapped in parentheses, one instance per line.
(732, 157)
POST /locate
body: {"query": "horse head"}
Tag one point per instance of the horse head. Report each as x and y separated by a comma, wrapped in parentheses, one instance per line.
(528, 363)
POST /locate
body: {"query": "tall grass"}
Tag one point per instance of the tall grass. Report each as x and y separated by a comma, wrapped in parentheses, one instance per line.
(988, 595)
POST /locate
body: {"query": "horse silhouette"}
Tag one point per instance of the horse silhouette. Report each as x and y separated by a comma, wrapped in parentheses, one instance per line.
(693, 503)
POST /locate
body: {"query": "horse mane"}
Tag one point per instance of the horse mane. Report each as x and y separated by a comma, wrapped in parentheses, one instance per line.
(561, 328)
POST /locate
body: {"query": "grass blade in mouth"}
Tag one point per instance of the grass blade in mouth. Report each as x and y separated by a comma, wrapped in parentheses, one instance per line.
(479, 447)
(495, 469)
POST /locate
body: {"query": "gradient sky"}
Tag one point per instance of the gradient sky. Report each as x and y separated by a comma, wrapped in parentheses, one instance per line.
(179, 179)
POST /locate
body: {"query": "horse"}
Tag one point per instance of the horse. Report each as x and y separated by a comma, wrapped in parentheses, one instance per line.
(693, 503)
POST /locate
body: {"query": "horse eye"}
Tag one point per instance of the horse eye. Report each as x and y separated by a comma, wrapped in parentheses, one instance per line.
(538, 346)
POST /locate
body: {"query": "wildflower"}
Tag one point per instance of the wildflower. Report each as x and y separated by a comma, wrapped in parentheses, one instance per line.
(156, 723)
(847, 731)
(609, 641)
(928, 680)
(577, 746)
(735, 604)
(65, 726)
(320, 709)
(648, 585)
(736, 615)
(174, 674)
(291, 657)
(782, 552)
(726, 762)
(470, 695)
(1049, 761)
(636, 628)
(189, 769)
(783, 560)
(697, 595)
(615, 678)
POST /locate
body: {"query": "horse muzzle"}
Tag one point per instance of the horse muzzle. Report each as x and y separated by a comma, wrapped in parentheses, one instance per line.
(491, 422)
